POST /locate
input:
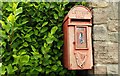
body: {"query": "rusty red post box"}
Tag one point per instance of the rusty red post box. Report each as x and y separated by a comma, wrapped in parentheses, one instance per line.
(77, 39)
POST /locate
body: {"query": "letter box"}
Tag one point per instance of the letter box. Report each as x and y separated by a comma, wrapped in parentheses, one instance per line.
(77, 29)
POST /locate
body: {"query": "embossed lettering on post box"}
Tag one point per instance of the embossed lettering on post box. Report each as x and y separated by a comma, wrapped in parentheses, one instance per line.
(77, 26)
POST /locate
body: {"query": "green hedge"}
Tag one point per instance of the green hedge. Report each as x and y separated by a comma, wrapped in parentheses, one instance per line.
(32, 38)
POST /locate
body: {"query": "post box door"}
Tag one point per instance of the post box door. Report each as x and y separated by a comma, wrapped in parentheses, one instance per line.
(81, 37)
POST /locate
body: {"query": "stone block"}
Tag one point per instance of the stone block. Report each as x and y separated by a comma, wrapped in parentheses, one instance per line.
(113, 36)
(112, 25)
(112, 69)
(100, 32)
(113, 52)
(113, 10)
(100, 53)
(100, 15)
(105, 52)
(100, 70)
(99, 4)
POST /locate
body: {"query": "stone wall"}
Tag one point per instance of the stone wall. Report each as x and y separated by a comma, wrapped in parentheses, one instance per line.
(105, 37)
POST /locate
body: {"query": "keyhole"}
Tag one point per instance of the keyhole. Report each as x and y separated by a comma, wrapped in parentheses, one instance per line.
(81, 37)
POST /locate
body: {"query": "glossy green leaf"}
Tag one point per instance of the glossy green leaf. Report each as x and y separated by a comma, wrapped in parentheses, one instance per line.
(9, 69)
(11, 18)
(59, 44)
(36, 55)
(4, 26)
(43, 50)
(15, 68)
(39, 69)
(15, 44)
(55, 16)
(83, 3)
(36, 32)
(18, 11)
(14, 6)
(33, 48)
(22, 52)
(54, 67)
(54, 29)
(65, 3)
(24, 22)
(16, 59)
(1, 13)
(59, 63)
(48, 71)
(24, 59)
(9, 9)
(49, 40)
(2, 70)
(25, 44)
(44, 29)
(45, 23)
(27, 35)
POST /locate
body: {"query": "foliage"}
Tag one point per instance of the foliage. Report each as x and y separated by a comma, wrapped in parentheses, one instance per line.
(32, 38)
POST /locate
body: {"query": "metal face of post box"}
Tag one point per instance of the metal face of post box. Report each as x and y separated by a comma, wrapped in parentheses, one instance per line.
(77, 39)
